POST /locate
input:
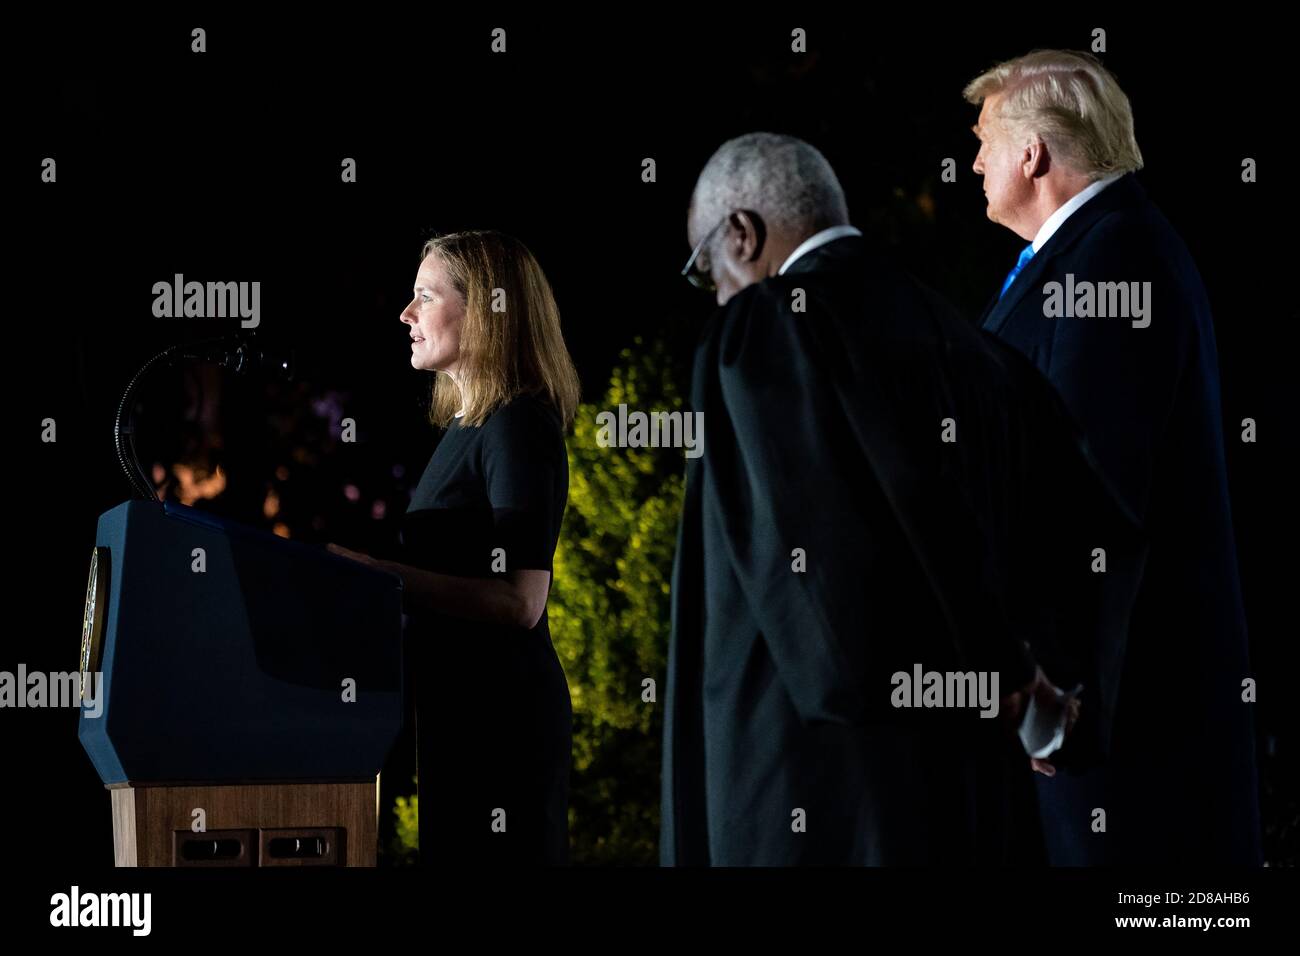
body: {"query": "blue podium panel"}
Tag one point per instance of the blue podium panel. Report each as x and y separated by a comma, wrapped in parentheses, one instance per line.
(233, 655)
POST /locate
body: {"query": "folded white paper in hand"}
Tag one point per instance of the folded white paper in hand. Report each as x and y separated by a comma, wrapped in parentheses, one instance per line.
(1042, 731)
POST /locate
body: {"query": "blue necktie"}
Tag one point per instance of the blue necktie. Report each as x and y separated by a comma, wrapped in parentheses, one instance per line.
(1025, 255)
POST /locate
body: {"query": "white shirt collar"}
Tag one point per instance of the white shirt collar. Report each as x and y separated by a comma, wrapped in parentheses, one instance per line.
(816, 240)
(1069, 207)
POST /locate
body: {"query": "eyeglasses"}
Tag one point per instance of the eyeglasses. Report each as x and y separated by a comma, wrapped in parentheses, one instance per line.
(698, 273)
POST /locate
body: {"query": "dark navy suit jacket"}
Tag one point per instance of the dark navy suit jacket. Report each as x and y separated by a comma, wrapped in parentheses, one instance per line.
(1181, 785)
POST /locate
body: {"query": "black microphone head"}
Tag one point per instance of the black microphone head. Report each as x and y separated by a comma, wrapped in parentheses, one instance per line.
(264, 360)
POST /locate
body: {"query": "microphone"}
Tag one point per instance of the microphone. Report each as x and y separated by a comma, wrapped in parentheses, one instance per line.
(242, 354)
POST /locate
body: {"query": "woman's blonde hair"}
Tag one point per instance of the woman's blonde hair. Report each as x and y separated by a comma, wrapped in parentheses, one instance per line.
(1071, 102)
(510, 342)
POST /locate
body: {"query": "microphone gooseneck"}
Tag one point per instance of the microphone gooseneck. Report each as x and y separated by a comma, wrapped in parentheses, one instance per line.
(239, 352)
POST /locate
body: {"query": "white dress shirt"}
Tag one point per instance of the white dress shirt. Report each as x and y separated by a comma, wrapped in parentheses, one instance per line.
(816, 240)
(1069, 207)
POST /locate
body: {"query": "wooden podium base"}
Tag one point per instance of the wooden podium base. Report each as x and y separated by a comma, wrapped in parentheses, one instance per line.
(291, 824)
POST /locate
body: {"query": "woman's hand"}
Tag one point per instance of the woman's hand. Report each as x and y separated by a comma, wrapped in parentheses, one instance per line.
(518, 599)
(343, 552)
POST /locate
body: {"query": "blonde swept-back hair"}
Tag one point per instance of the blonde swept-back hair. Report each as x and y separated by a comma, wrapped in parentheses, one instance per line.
(1068, 100)
(503, 354)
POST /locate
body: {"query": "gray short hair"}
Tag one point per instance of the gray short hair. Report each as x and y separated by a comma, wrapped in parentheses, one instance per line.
(785, 180)
(1071, 102)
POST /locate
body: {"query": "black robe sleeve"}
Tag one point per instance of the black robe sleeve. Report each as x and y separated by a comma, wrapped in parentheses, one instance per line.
(813, 449)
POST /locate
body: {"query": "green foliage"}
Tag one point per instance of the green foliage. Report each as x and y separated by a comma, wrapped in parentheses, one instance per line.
(609, 617)
(406, 836)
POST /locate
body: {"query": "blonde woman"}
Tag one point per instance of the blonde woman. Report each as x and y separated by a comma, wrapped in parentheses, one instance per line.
(493, 714)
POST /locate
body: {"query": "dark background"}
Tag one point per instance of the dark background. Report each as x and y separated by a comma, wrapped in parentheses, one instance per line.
(225, 167)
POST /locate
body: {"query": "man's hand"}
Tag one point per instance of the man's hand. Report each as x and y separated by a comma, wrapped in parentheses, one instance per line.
(1046, 693)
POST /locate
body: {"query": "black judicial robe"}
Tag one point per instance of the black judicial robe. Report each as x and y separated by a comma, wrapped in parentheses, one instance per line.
(822, 439)
(1181, 787)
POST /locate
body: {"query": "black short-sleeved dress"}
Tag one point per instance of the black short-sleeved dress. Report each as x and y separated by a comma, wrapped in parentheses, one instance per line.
(494, 721)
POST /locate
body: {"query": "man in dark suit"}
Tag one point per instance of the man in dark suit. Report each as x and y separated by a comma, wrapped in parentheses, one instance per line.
(1107, 302)
(876, 497)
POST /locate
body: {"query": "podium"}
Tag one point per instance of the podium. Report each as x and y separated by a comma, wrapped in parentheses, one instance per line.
(251, 691)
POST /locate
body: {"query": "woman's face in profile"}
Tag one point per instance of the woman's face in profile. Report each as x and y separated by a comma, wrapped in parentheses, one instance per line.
(435, 315)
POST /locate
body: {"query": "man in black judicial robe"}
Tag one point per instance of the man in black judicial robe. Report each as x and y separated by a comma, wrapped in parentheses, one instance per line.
(831, 537)
(1180, 786)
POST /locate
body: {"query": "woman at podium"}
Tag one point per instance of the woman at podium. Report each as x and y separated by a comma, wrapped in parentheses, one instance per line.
(493, 714)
